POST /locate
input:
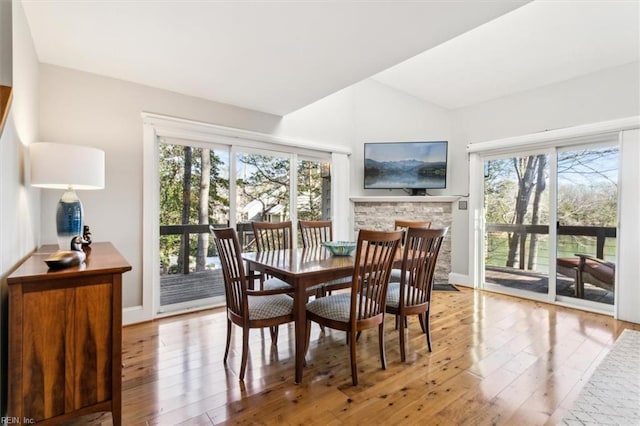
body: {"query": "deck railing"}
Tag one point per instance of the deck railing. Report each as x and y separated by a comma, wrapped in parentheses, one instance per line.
(245, 235)
(600, 232)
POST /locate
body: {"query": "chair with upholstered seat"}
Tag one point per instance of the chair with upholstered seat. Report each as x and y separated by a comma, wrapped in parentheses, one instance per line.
(272, 236)
(276, 236)
(412, 294)
(364, 306)
(248, 308)
(314, 233)
(403, 225)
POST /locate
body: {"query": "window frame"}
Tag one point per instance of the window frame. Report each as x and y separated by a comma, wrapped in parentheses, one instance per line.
(156, 128)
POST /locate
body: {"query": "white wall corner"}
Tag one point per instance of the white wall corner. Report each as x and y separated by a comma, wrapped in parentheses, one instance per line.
(460, 279)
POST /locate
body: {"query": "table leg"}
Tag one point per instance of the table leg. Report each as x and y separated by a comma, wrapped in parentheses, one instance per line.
(250, 272)
(299, 317)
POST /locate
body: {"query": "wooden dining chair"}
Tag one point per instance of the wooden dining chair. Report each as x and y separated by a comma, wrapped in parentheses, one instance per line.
(314, 233)
(412, 294)
(272, 236)
(364, 306)
(403, 225)
(248, 308)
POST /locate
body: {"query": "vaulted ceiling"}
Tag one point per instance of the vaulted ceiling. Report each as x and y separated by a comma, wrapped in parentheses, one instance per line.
(279, 56)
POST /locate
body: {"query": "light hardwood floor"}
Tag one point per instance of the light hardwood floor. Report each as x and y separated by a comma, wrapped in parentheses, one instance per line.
(495, 360)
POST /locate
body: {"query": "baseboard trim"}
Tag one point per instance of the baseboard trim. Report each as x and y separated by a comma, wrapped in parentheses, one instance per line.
(134, 315)
(460, 279)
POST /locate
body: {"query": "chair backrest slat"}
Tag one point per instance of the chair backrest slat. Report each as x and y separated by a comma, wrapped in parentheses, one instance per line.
(272, 235)
(375, 254)
(314, 232)
(403, 225)
(419, 260)
(235, 281)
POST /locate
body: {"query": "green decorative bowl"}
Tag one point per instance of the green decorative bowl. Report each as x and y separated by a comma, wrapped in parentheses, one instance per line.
(340, 248)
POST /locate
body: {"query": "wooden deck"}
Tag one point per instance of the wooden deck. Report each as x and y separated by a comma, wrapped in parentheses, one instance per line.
(178, 288)
(539, 283)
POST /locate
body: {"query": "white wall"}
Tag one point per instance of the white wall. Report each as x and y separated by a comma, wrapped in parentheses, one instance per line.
(383, 114)
(19, 204)
(329, 120)
(601, 96)
(86, 109)
(369, 112)
(628, 294)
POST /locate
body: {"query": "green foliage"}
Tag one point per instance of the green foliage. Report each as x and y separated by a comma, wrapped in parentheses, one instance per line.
(588, 205)
(263, 178)
(171, 174)
(309, 190)
(267, 182)
(587, 196)
(500, 191)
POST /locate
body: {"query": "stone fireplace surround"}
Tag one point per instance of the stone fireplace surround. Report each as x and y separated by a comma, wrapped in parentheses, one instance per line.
(379, 213)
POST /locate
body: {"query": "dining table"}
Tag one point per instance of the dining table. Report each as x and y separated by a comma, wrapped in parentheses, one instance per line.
(301, 268)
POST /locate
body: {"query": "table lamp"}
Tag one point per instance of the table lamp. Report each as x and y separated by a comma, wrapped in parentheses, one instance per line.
(68, 167)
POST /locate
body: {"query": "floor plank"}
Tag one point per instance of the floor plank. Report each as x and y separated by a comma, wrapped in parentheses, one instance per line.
(496, 360)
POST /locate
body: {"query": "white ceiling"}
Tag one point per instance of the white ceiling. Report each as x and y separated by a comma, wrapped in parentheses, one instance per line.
(538, 44)
(279, 56)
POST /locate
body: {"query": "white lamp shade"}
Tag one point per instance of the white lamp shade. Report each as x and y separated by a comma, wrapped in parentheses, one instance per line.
(61, 166)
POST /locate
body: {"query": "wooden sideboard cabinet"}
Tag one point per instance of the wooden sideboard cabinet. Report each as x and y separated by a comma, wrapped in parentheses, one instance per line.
(65, 337)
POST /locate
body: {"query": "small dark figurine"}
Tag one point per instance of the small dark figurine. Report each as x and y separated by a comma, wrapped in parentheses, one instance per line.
(67, 258)
(86, 236)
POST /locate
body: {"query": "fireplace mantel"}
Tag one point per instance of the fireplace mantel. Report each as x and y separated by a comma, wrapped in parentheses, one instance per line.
(405, 199)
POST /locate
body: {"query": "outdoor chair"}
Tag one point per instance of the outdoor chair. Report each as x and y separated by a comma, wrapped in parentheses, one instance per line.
(588, 269)
(248, 308)
(412, 294)
(364, 306)
(314, 233)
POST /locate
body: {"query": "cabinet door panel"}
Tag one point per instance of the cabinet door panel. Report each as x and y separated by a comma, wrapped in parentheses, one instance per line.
(93, 320)
(44, 353)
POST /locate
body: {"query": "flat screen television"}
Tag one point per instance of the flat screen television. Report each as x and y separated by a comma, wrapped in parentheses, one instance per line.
(414, 166)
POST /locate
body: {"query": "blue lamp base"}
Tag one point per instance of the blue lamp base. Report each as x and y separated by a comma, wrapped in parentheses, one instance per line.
(69, 219)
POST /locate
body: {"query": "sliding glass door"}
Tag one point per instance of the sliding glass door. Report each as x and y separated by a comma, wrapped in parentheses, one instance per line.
(575, 189)
(516, 201)
(263, 190)
(587, 220)
(205, 186)
(194, 197)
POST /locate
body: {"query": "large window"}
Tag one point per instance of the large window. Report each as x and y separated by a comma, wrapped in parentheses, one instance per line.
(314, 190)
(517, 245)
(193, 186)
(195, 193)
(251, 176)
